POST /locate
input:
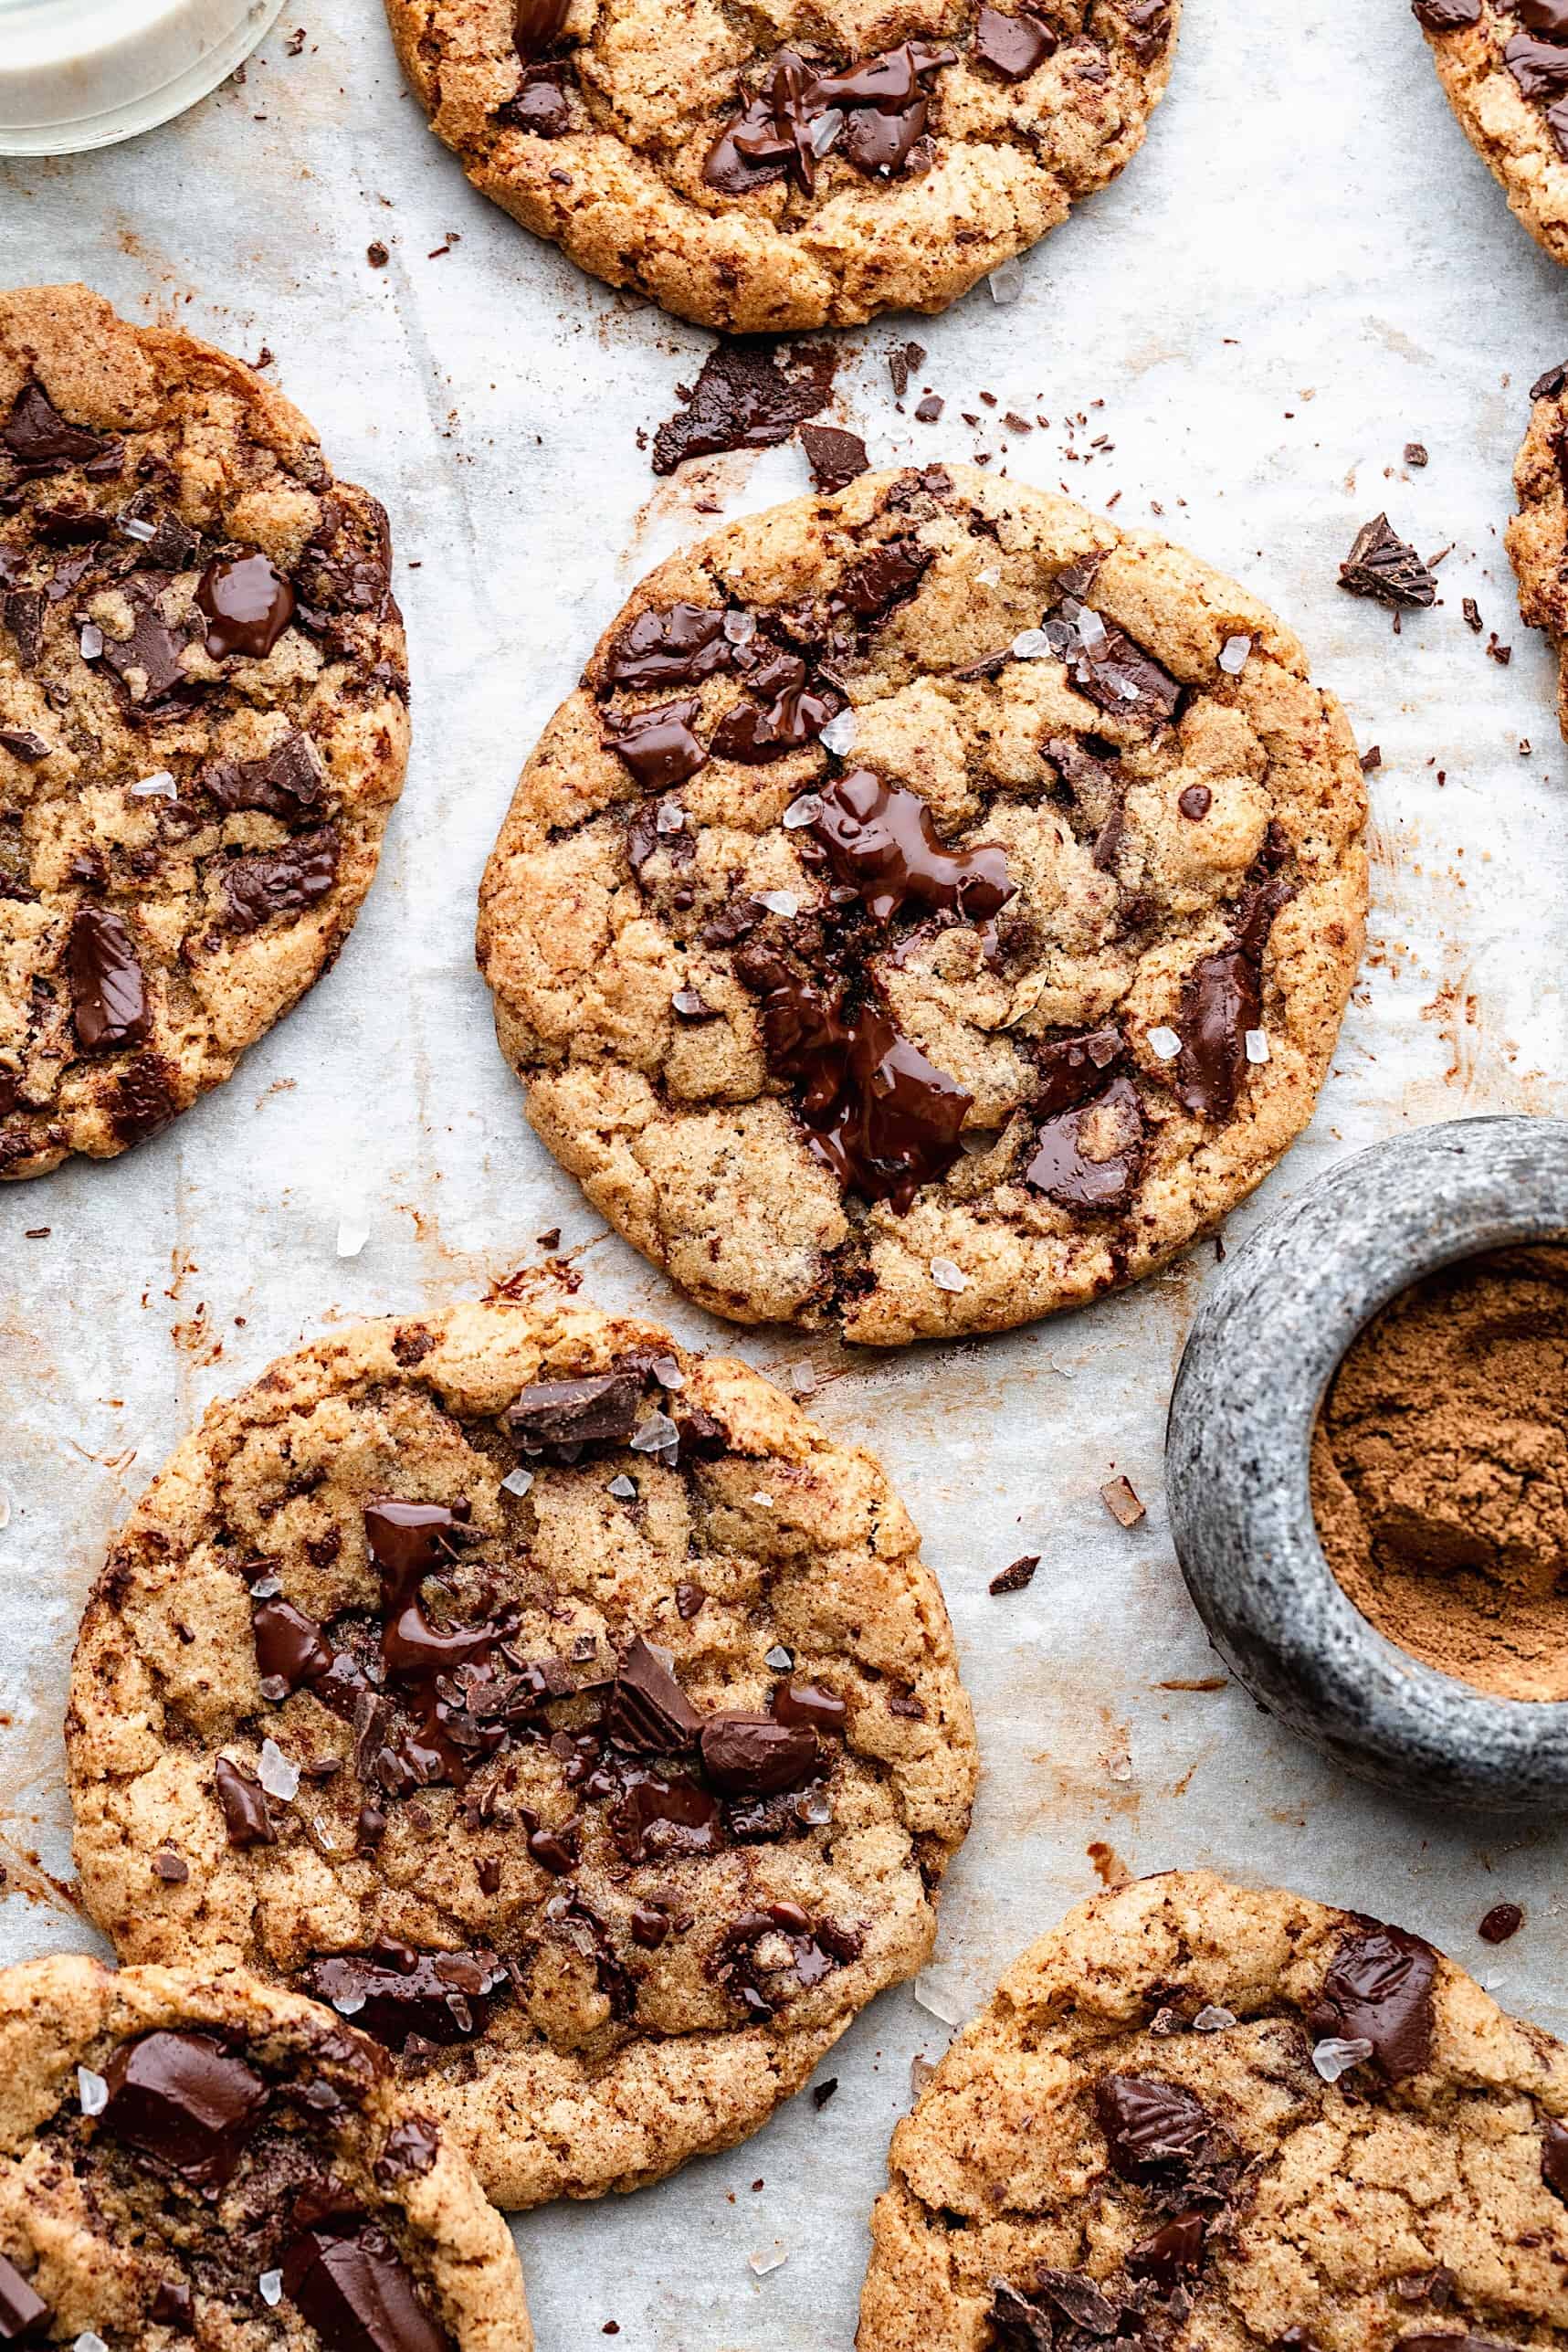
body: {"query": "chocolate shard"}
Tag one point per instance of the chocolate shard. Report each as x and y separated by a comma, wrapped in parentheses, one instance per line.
(285, 880)
(1152, 2125)
(1383, 566)
(559, 1419)
(173, 2306)
(835, 458)
(1379, 1989)
(243, 1803)
(1073, 1068)
(142, 1103)
(392, 1991)
(1174, 2253)
(886, 577)
(1012, 45)
(249, 605)
(150, 662)
(1550, 387)
(40, 440)
(757, 1755)
(1091, 1156)
(648, 1713)
(23, 609)
(743, 399)
(350, 2284)
(184, 2100)
(1445, 15)
(657, 746)
(109, 992)
(24, 2313)
(283, 782)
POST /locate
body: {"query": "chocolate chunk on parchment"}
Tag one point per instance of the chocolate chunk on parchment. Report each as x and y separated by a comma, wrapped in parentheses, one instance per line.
(747, 398)
(109, 991)
(24, 2313)
(1379, 1989)
(1383, 566)
(835, 458)
(184, 2101)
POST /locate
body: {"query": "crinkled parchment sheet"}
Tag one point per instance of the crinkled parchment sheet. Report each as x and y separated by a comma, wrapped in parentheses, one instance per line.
(1304, 270)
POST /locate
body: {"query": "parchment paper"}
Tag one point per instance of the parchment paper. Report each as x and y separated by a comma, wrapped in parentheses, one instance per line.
(1305, 269)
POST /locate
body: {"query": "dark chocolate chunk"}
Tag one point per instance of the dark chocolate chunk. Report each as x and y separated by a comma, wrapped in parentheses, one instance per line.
(1152, 2125)
(796, 715)
(536, 25)
(1195, 802)
(809, 1705)
(173, 2306)
(184, 2101)
(1383, 566)
(285, 880)
(1379, 1989)
(283, 783)
(142, 1102)
(1503, 1920)
(1174, 2253)
(558, 1418)
(23, 745)
(757, 1755)
(1550, 387)
(1555, 2157)
(392, 1991)
(40, 440)
(23, 612)
(249, 605)
(24, 2313)
(654, 1818)
(743, 399)
(1221, 1000)
(412, 2147)
(243, 1803)
(880, 840)
(880, 105)
(1539, 68)
(1073, 1068)
(1445, 15)
(1017, 1577)
(648, 1713)
(885, 578)
(354, 2291)
(678, 647)
(1012, 45)
(1091, 1156)
(657, 746)
(835, 458)
(109, 993)
(290, 1648)
(148, 663)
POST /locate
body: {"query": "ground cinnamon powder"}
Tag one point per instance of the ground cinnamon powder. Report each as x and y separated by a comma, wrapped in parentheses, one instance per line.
(1440, 1472)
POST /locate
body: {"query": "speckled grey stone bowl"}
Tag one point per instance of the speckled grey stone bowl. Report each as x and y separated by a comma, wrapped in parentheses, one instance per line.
(1267, 1341)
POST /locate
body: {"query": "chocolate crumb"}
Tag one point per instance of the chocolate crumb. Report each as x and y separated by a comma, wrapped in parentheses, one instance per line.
(1503, 1920)
(1016, 1578)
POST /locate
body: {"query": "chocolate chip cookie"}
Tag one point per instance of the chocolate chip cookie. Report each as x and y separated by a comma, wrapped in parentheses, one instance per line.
(564, 1708)
(1200, 2115)
(1537, 535)
(1504, 66)
(226, 2165)
(203, 720)
(758, 169)
(934, 907)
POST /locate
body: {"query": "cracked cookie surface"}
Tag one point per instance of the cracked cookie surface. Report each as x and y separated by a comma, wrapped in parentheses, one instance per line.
(1201, 2116)
(1537, 536)
(203, 720)
(934, 908)
(226, 2166)
(1503, 65)
(564, 1707)
(787, 166)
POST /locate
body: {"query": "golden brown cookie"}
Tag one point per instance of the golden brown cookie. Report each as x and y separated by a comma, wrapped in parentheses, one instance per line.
(934, 908)
(566, 1708)
(1200, 2115)
(203, 720)
(1537, 535)
(222, 2165)
(1503, 65)
(789, 166)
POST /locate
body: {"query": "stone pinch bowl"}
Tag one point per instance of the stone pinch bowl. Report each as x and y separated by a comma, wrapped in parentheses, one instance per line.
(1268, 1338)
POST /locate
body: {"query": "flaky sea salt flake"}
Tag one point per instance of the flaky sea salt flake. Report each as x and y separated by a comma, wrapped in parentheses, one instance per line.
(88, 2342)
(739, 627)
(1165, 1043)
(804, 811)
(1213, 2019)
(160, 786)
(1006, 283)
(277, 1775)
(801, 1380)
(840, 734)
(91, 2090)
(658, 1435)
(668, 1372)
(624, 1489)
(270, 2284)
(517, 1482)
(783, 902)
(136, 526)
(1030, 645)
(5, 1508)
(1332, 2058)
(947, 1276)
(1258, 1045)
(352, 1235)
(932, 1995)
(1233, 655)
(348, 2004)
(763, 1501)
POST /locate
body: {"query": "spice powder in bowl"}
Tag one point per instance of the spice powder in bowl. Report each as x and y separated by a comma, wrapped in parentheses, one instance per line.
(1439, 1473)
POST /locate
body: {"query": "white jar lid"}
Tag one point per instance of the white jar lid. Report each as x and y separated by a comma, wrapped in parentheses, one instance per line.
(85, 73)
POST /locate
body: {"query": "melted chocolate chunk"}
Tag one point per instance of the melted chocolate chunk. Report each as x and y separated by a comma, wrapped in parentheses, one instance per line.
(835, 458)
(743, 399)
(655, 1819)
(290, 1648)
(1222, 999)
(249, 605)
(352, 2287)
(1539, 68)
(796, 714)
(678, 647)
(1174, 2253)
(182, 2100)
(558, 1419)
(1445, 15)
(392, 1991)
(24, 2313)
(758, 1756)
(412, 2147)
(283, 783)
(540, 106)
(1379, 1989)
(109, 993)
(1555, 2157)
(536, 25)
(285, 880)
(648, 1713)
(786, 132)
(816, 1948)
(40, 440)
(657, 746)
(243, 1803)
(1383, 566)
(879, 1116)
(1152, 2125)
(809, 1706)
(1012, 45)
(880, 842)
(1076, 1177)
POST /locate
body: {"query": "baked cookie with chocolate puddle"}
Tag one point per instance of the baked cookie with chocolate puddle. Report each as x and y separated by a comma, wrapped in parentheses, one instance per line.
(203, 720)
(1503, 65)
(1202, 2115)
(1537, 536)
(934, 907)
(565, 1709)
(221, 2163)
(760, 169)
